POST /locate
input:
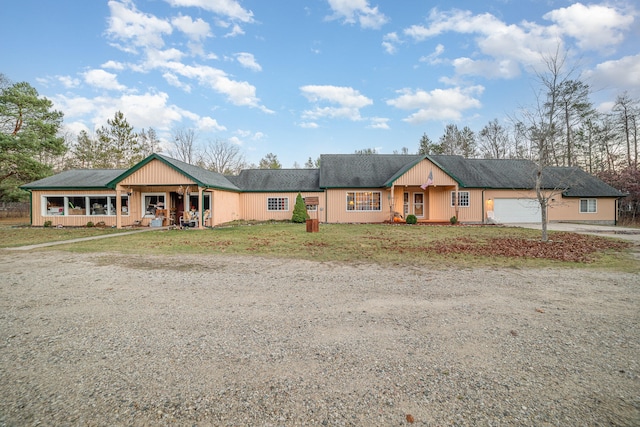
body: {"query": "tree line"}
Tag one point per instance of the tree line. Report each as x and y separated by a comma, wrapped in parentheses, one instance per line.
(561, 128)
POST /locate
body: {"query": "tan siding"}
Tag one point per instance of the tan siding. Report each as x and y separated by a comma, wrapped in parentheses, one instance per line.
(254, 206)
(568, 209)
(225, 207)
(419, 174)
(338, 213)
(156, 173)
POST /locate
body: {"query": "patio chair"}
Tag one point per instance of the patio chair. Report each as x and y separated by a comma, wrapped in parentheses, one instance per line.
(187, 220)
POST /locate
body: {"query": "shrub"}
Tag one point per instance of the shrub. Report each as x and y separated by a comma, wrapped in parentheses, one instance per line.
(453, 220)
(412, 219)
(48, 223)
(89, 224)
(299, 210)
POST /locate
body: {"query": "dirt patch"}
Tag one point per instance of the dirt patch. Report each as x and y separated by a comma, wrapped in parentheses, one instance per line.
(223, 340)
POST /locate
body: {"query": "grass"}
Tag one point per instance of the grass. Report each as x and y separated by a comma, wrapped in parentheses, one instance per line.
(17, 232)
(392, 245)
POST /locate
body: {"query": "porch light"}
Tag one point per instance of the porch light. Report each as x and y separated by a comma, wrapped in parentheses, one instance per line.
(180, 191)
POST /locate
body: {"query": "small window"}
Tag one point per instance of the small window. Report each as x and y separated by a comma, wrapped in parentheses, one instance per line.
(463, 199)
(54, 205)
(277, 203)
(311, 208)
(77, 205)
(152, 202)
(588, 205)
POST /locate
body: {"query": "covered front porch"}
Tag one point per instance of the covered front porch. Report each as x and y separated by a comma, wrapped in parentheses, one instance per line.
(431, 204)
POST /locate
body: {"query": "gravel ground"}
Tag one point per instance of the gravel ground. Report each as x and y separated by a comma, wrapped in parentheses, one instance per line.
(103, 340)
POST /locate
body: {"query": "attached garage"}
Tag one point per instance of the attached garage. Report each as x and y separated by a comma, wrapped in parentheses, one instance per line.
(516, 210)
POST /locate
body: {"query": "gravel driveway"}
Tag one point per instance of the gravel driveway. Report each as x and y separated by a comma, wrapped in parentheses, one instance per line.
(104, 340)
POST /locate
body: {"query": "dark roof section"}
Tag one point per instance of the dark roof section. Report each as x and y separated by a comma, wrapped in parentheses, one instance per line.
(362, 170)
(76, 178)
(203, 177)
(578, 183)
(488, 173)
(277, 180)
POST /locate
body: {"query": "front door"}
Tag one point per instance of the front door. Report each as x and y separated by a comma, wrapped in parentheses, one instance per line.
(418, 204)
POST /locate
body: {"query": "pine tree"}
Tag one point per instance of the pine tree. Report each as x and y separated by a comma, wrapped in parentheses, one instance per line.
(299, 210)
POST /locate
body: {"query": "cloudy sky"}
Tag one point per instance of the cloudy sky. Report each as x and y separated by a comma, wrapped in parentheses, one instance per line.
(298, 78)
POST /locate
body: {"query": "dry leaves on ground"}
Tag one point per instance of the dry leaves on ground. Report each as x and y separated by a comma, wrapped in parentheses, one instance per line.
(569, 247)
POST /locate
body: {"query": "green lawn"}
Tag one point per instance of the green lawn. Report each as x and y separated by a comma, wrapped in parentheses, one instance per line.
(394, 245)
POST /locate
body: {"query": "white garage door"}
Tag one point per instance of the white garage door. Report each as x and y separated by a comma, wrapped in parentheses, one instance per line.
(516, 210)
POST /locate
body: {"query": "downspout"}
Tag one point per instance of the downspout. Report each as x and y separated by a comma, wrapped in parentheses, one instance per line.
(326, 206)
(31, 207)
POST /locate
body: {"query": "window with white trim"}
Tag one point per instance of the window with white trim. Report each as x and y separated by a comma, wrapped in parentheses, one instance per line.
(277, 203)
(364, 201)
(151, 202)
(102, 205)
(588, 205)
(463, 199)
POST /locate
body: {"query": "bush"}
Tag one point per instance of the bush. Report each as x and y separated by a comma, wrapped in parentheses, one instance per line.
(453, 220)
(48, 223)
(299, 210)
(89, 224)
(412, 219)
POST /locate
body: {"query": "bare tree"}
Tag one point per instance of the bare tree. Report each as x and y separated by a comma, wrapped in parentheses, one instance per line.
(626, 113)
(493, 140)
(540, 125)
(184, 148)
(223, 157)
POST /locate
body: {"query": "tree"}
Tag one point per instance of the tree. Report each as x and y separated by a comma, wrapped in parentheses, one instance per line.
(119, 142)
(28, 136)
(574, 109)
(493, 140)
(541, 127)
(310, 164)
(367, 151)
(467, 143)
(223, 157)
(403, 150)
(299, 210)
(184, 145)
(626, 114)
(270, 161)
(427, 146)
(457, 142)
(148, 142)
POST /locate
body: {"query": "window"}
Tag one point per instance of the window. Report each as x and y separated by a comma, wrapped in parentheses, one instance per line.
(83, 205)
(588, 205)
(463, 199)
(277, 203)
(77, 205)
(363, 201)
(151, 202)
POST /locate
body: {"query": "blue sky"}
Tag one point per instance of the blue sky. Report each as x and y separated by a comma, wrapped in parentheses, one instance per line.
(299, 78)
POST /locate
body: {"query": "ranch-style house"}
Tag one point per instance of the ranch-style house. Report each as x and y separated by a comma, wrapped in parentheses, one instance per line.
(349, 188)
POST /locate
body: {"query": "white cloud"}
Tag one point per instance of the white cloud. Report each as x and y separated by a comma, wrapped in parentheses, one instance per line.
(594, 26)
(236, 30)
(174, 81)
(352, 11)
(438, 104)
(379, 123)
(433, 58)
(228, 8)
(133, 28)
(113, 65)
(195, 30)
(390, 42)
(309, 125)
(348, 99)
(208, 123)
(247, 60)
(68, 81)
(622, 74)
(504, 68)
(102, 79)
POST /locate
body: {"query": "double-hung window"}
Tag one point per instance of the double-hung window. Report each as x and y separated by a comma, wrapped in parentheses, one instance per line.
(277, 203)
(463, 199)
(588, 205)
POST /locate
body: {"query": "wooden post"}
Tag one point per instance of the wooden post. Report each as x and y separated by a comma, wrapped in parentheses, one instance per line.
(119, 207)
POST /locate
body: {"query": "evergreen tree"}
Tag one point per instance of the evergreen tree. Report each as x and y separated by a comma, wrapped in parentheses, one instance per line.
(270, 161)
(120, 141)
(299, 210)
(28, 136)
